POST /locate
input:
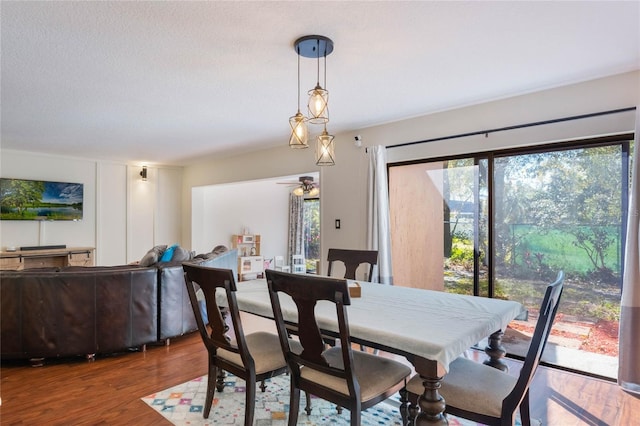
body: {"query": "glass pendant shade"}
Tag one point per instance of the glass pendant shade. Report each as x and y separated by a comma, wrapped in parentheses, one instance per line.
(318, 105)
(298, 191)
(325, 151)
(314, 192)
(299, 131)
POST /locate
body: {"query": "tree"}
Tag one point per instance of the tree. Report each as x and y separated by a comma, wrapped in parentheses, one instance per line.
(600, 205)
(576, 190)
(515, 185)
(20, 194)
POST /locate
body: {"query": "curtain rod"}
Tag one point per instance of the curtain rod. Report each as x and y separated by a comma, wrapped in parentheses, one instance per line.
(517, 126)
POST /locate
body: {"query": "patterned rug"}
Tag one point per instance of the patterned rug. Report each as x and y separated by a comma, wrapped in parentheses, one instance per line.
(183, 404)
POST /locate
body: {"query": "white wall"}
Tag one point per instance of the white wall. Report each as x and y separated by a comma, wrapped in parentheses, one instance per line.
(141, 213)
(168, 217)
(262, 206)
(123, 216)
(344, 185)
(111, 217)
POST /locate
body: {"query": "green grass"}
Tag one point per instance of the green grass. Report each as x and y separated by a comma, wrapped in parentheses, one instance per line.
(560, 252)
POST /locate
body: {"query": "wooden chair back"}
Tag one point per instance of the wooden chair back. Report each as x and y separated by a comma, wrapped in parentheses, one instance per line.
(350, 379)
(548, 310)
(223, 351)
(209, 280)
(306, 291)
(352, 259)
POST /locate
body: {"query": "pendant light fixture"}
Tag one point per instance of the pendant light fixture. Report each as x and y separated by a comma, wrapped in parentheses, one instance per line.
(318, 97)
(298, 123)
(325, 152)
(315, 47)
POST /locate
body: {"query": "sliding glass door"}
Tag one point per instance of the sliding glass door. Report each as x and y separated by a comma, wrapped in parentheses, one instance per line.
(506, 222)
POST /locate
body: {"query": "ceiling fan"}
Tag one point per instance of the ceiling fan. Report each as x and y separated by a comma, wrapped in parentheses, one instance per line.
(304, 186)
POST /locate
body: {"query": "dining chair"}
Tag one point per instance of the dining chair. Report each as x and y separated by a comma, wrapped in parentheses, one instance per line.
(350, 379)
(352, 259)
(485, 394)
(253, 357)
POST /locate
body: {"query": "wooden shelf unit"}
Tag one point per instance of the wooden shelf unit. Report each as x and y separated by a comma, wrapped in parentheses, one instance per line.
(250, 262)
(29, 259)
(245, 244)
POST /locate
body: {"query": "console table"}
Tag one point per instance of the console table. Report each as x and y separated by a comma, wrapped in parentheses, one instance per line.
(28, 259)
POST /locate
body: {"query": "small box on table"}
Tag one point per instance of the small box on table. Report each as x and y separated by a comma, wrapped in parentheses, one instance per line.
(354, 289)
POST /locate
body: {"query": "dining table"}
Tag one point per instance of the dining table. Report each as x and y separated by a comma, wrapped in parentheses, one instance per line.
(429, 328)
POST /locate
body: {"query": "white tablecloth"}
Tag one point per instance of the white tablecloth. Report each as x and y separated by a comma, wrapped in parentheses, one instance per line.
(434, 325)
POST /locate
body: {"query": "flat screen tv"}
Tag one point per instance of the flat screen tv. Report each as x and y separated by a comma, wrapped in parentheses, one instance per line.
(22, 199)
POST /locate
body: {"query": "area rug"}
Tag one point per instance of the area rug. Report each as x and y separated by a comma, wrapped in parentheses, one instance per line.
(183, 405)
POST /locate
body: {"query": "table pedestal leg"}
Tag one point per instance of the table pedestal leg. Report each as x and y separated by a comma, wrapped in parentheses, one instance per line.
(431, 404)
(496, 352)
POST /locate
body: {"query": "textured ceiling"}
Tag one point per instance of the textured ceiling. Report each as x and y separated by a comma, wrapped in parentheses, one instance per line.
(167, 82)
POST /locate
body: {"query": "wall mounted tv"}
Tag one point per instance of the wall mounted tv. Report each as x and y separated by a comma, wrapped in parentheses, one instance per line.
(22, 199)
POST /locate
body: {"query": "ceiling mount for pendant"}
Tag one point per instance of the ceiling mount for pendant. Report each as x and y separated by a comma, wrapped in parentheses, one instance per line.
(312, 46)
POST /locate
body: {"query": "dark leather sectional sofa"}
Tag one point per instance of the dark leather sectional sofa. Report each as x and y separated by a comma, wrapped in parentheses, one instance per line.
(52, 312)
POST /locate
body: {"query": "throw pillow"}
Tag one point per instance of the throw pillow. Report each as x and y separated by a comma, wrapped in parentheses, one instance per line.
(181, 254)
(153, 255)
(219, 249)
(168, 253)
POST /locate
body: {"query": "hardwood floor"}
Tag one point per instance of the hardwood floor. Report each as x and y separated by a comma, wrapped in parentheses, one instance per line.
(107, 391)
(568, 399)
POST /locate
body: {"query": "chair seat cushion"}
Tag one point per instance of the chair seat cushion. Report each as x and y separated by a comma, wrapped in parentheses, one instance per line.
(375, 374)
(264, 348)
(472, 387)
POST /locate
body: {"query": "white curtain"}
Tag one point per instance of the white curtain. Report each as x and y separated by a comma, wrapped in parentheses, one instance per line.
(378, 226)
(629, 351)
(296, 228)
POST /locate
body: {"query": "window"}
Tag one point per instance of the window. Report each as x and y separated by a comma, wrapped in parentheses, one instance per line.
(311, 224)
